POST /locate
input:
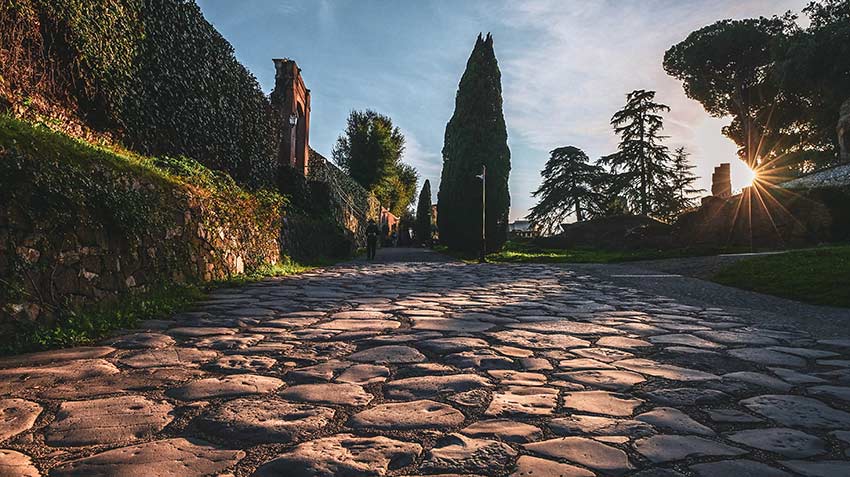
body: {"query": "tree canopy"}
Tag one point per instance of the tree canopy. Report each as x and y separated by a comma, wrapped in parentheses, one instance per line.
(422, 231)
(370, 151)
(476, 136)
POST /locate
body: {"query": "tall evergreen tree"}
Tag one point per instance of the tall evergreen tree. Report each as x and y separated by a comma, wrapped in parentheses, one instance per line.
(641, 164)
(422, 232)
(570, 186)
(682, 183)
(476, 136)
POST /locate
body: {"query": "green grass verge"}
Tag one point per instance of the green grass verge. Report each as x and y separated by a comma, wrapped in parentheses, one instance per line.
(86, 326)
(818, 276)
(520, 252)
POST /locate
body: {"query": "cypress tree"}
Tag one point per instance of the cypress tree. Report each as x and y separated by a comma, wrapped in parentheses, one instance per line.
(423, 215)
(475, 136)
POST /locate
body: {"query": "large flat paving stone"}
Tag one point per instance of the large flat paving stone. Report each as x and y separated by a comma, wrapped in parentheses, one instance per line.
(668, 448)
(17, 379)
(673, 420)
(600, 457)
(662, 370)
(228, 386)
(532, 340)
(528, 466)
(342, 394)
(260, 420)
(16, 416)
(798, 411)
(56, 356)
(422, 414)
(113, 420)
(824, 468)
(430, 386)
(578, 425)
(737, 467)
(390, 354)
(461, 454)
(342, 455)
(788, 442)
(523, 401)
(504, 430)
(15, 464)
(170, 457)
(168, 357)
(601, 402)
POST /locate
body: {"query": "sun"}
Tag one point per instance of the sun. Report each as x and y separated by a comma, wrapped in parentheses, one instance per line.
(750, 176)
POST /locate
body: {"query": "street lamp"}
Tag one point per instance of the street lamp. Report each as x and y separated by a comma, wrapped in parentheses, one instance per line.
(483, 177)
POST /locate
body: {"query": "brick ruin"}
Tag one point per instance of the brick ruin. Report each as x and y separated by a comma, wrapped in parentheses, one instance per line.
(721, 181)
(291, 101)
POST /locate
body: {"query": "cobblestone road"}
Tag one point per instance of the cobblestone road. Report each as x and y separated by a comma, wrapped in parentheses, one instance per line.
(433, 368)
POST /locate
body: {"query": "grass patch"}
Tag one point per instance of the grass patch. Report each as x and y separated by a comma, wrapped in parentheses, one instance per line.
(521, 252)
(817, 276)
(86, 326)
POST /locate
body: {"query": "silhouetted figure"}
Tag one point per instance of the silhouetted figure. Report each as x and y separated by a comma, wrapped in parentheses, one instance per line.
(371, 239)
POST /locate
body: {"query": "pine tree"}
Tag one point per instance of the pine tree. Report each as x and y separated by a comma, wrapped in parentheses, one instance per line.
(571, 185)
(476, 136)
(422, 231)
(682, 183)
(641, 164)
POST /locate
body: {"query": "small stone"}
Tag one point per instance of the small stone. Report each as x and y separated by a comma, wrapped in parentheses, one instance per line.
(587, 452)
(237, 363)
(601, 402)
(16, 416)
(228, 386)
(523, 401)
(341, 394)
(392, 354)
(183, 457)
(528, 466)
(458, 453)
(364, 374)
(342, 455)
(422, 414)
(788, 442)
(503, 429)
(674, 420)
(667, 448)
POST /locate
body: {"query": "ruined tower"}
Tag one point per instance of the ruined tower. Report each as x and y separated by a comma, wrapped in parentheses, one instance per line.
(721, 181)
(291, 101)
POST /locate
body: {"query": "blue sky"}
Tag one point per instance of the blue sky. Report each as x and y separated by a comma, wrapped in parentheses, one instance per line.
(566, 67)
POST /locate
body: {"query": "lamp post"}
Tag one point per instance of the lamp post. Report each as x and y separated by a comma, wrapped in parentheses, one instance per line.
(483, 177)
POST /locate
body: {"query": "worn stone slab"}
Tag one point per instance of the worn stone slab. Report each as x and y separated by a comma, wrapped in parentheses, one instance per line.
(17, 416)
(686, 396)
(183, 457)
(833, 392)
(823, 468)
(342, 455)
(578, 425)
(517, 378)
(788, 442)
(532, 340)
(341, 394)
(669, 448)
(18, 379)
(481, 359)
(523, 401)
(606, 355)
(662, 370)
(260, 420)
(601, 402)
(228, 386)
(504, 430)
(15, 464)
(461, 454)
(452, 344)
(362, 325)
(565, 327)
(622, 342)
(145, 379)
(450, 325)
(114, 420)
(143, 340)
(239, 363)
(421, 414)
(737, 467)
(614, 380)
(600, 457)
(198, 331)
(798, 411)
(674, 420)
(390, 354)
(364, 374)
(56, 356)
(767, 357)
(528, 466)
(168, 357)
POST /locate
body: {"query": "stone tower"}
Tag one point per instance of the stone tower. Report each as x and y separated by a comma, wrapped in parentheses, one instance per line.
(721, 181)
(291, 101)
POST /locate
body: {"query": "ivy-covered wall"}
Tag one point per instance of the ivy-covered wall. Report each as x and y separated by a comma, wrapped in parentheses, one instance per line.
(152, 74)
(81, 224)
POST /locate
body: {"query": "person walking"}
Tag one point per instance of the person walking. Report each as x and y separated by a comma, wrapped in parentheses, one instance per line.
(371, 239)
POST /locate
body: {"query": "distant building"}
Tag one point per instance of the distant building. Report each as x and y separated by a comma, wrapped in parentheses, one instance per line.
(721, 181)
(522, 229)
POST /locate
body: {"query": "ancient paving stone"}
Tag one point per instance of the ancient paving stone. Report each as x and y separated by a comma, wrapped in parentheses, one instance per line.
(758, 379)
(168, 357)
(742, 467)
(583, 363)
(788, 442)
(674, 420)
(523, 401)
(481, 359)
(342, 455)
(565, 327)
(452, 344)
(342, 394)
(262, 420)
(318, 372)
(430, 386)
(823, 468)
(130, 380)
(667, 448)
(361, 315)
(364, 374)
(803, 352)
(197, 331)
(518, 378)
(183, 457)
(458, 453)
(422, 414)
(513, 351)
(114, 420)
(362, 325)
(228, 386)
(143, 340)
(614, 380)
(576, 425)
(528, 466)
(528, 339)
(16, 416)
(736, 337)
(732, 416)
(15, 464)
(666, 371)
(17, 379)
(237, 363)
(224, 342)
(622, 342)
(833, 392)
(587, 452)
(685, 339)
(601, 402)
(56, 356)
(606, 355)
(795, 377)
(767, 357)
(449, 325)
(535, 364)
(798, 411)
(687, 396)
(390, 354)
(503, 429)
